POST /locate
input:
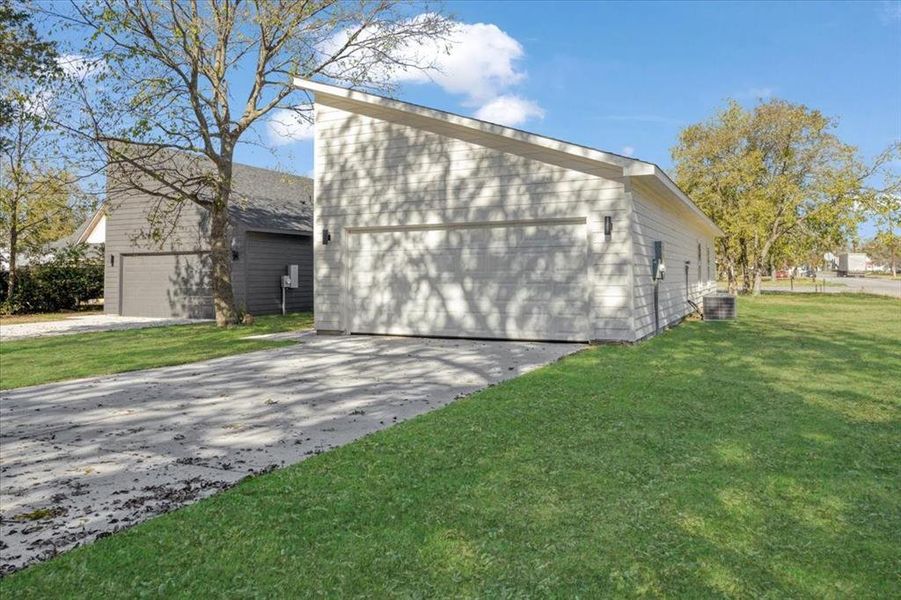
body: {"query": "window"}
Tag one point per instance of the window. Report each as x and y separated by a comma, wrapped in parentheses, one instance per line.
(699, 261)
(708, 263)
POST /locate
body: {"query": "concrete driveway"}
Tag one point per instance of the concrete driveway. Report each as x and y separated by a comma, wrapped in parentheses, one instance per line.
(83, 324)
(84, 458)
(865, 285)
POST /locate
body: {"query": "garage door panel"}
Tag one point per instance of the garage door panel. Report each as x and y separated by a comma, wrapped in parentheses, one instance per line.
(167, 285)
(509, 281)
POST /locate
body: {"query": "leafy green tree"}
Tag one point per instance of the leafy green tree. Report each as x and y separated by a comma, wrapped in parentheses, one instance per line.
(884, 204)
(22, 53)
(184, 77)
(775, 178)
(37, 204)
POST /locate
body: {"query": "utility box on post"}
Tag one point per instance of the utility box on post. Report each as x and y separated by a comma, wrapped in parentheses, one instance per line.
(293, 277)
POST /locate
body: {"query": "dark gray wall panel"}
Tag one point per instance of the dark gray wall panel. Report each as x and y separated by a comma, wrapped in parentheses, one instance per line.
(268, 256)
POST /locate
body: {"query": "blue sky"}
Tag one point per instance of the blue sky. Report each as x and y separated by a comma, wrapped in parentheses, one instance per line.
(626, 77)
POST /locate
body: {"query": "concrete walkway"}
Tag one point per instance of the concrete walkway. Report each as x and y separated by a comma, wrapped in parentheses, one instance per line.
(84, 458)
(840, 285)
(865, 285)
(83, 324)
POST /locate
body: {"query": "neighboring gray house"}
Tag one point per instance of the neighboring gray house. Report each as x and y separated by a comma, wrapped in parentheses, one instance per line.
(271, 216)
(430, 223)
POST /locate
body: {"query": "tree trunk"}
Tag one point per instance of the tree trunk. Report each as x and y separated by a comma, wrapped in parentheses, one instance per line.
(13, 251)
(731, 278)
(220, 250)
(758, 280)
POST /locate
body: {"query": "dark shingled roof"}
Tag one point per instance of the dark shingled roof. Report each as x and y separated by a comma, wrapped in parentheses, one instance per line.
(270, 200)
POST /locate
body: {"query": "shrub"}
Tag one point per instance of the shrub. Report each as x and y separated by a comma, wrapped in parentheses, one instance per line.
(71, 276)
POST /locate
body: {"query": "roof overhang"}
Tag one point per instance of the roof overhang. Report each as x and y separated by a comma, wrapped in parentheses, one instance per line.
(91, 225)
(556, 151)
(657, 179)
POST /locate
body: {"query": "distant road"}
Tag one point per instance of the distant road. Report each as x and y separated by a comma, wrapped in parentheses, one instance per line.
(868, 285)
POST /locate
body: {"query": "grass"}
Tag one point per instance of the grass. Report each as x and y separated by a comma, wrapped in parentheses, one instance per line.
(56, 358)
(55, 316)
(758, 458)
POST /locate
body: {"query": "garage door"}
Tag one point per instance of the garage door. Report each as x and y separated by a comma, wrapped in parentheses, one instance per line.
(167, 285)
(507, 281)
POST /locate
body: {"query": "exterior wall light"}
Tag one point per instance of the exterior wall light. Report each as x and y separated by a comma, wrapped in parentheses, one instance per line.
(326, 236)
(608, 225)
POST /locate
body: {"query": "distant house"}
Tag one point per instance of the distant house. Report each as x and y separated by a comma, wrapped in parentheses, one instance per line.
(271, 220)
(91, 232)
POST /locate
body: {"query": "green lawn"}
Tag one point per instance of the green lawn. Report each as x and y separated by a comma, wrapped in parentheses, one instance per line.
(760, 458)
(55, 358)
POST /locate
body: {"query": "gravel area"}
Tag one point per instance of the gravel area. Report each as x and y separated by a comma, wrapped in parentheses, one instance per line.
(83, 324)
(82, 459)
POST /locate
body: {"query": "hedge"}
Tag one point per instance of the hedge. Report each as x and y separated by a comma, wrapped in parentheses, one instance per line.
(71, 276)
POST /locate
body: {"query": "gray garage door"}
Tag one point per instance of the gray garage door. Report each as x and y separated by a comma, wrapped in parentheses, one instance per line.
(167, 285)
(517, 281)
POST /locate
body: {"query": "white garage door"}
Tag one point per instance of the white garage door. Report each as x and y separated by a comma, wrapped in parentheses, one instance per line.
(510, 281)
(167, 285)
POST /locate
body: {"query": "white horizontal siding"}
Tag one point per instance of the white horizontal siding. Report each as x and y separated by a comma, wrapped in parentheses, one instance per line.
(656, 218)
(376, 171)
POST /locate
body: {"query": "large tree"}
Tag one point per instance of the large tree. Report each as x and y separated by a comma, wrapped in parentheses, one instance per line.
(776, 179)
(23, 54)
(39, 200)
(194, 77)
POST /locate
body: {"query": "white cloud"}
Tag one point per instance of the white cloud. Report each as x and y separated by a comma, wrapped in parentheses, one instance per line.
(628, 151)
(80, 67)
(478, 61)
(509, 110)
(286, 126)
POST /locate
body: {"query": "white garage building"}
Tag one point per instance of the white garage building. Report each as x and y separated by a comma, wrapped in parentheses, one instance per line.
(429, 223)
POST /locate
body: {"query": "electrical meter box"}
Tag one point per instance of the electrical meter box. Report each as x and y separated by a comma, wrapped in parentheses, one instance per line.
(293, 278)
(658, 266)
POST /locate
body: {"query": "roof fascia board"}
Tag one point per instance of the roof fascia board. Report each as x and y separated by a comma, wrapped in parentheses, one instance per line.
(467, 122)
(95, 219)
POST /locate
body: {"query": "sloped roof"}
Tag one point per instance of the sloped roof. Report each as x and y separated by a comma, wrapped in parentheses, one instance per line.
(608, 162)
(81, 233)
(268, 200)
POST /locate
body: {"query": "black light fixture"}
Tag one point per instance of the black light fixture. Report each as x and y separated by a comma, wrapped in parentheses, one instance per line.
(608, 225)
(326, 236)
(234, 248)
(112, 260)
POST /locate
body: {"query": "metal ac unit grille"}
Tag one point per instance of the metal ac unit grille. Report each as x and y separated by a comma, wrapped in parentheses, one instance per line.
(719, 307)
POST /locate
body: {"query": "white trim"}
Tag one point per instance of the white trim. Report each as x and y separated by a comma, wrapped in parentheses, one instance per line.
(468, 225)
